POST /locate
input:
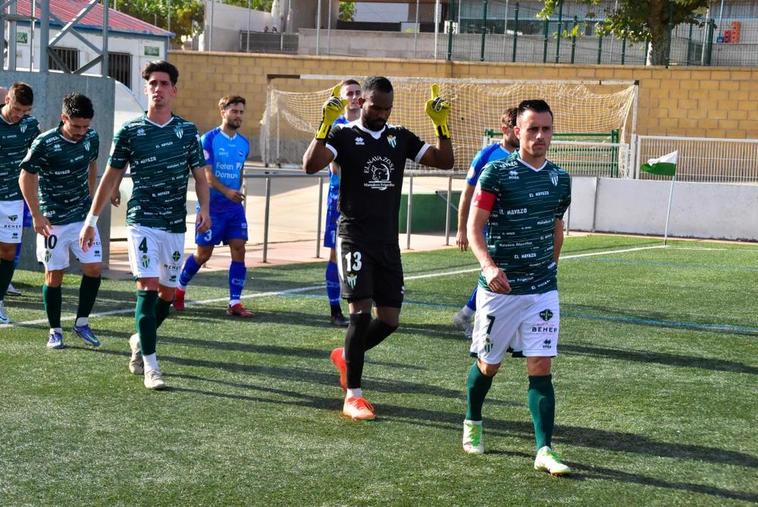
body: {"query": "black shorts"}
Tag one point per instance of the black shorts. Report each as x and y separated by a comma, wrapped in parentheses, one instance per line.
(371, 271)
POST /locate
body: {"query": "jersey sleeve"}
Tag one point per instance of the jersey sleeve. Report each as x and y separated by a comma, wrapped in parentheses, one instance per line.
(488, 180)
(35, 158)
(415, 147)
(35, 131)
(475, 168)
(334, 140)
(121, 149)
(195, 158)
(565, 198)
(94, 147)
(207, 142)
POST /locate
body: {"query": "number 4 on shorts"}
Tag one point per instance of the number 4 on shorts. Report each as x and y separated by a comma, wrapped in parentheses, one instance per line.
(143, 245)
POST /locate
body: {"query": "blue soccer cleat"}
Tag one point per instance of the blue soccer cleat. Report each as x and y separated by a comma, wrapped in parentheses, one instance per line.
(55, 340)
(85, 333)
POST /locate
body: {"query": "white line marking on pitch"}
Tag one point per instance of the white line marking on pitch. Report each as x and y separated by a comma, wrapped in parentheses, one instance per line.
(314, 287)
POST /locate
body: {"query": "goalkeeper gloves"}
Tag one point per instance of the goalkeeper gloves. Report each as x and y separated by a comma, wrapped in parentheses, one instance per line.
(331, 110)
(437, 109)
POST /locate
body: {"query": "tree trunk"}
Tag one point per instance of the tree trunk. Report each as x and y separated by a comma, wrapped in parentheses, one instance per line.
(660, 49)
(660, 35)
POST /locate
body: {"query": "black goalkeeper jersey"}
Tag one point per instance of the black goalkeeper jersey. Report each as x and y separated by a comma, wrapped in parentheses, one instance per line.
(371, 178)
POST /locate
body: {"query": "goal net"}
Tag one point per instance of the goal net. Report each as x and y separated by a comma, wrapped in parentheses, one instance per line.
(293, 110)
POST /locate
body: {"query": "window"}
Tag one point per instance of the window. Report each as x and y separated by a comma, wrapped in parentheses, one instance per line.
(68, 56)
(120, 68)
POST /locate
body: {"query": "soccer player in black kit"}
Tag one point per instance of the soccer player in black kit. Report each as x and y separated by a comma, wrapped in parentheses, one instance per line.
(371, 155)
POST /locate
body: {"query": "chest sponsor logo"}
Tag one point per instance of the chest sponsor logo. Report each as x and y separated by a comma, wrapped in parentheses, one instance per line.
(392, 140)
(178, 131)
(379, 171)
(554, 177)
(359, 141)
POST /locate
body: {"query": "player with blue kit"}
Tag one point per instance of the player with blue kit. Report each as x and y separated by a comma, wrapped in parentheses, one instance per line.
(225, 153)
(350, 90)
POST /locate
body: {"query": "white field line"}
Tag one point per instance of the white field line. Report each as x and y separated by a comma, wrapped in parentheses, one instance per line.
(314, 287)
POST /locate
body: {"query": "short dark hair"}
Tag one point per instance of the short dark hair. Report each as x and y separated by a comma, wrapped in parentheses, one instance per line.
(509, 117)
(377, 83)
(346, 82)
(76, 105)
(161, 66)
(228, 100)
(22, 93)
(535, 105)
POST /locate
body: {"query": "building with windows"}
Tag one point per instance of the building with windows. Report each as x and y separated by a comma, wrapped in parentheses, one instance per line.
(131, 42)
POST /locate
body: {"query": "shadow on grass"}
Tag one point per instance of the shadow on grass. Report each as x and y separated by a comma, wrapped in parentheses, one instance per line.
(705, 363)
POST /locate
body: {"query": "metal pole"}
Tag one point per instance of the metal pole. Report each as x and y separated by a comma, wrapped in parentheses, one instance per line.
(105, 63)
(484, 29)
(318, 215)
(318, 26)
(623, 51)
(515, 32)
(447, 209)
(721, 15)
(668, 211)
(266, 211)
(44, 36)
(329, 30)
(249, 15)
(409, 213)
(544, 46)
(705, 32)
(599, 49)
(573, 39)
(689, 45)
(415, 34)
(449, 35)
(12, 10)
(210, 28)
(560, 29)
(33, 23)
(168, 17)
(437, 26)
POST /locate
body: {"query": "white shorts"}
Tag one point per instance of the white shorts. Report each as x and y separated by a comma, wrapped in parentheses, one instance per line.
(52, 251)
(11, 221)
(529, 322)
(154, 253)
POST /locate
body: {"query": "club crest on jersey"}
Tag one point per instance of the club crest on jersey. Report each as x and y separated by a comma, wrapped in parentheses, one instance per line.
(176, 256)
(179, 131)
(22, 127)
(392, 140)
(554, 178)
(86, 145)
(351, 279)
(379, 170)
(12, 218)
(145, 261)
(546, 314)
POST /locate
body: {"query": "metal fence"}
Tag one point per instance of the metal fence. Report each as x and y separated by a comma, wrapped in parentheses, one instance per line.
(702, 159)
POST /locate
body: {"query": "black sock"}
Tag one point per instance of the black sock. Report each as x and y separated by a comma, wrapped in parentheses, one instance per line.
(355, 340)
(376, 333)
(336, 310)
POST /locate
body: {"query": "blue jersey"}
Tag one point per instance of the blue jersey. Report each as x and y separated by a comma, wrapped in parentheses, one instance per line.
(334, 179)
(482, 158)
(226, 156)
(332, 200)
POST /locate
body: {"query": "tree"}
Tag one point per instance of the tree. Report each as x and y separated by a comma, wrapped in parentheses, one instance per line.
(347, 11)
(644, 21)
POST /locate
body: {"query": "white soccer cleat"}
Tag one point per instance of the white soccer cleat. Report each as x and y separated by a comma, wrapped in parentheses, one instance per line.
(153, 380)
(549, 461)
(136, 365)
(473, 442)
(4, 319)
(464, 323)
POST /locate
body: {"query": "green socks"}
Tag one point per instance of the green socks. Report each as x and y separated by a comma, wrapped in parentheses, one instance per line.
(162, 308)
(145, 320)
(87, 295)
(478, 384)
(542, 408)
(6, 275)
(52, 298)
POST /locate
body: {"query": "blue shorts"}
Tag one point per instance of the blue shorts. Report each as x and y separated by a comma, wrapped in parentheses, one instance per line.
(332, 215)
(226, 224)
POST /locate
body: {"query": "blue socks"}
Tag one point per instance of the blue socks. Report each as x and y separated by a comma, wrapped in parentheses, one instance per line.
(190, 269)
(471, 303)
(332, 283)
(237, 273)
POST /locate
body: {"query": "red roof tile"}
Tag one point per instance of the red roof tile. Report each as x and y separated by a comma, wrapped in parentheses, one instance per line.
(66, 10)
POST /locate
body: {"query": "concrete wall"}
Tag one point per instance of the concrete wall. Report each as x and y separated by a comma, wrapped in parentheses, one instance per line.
(680, 101)
(699, 210)
(49, 91)
(228, 21)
